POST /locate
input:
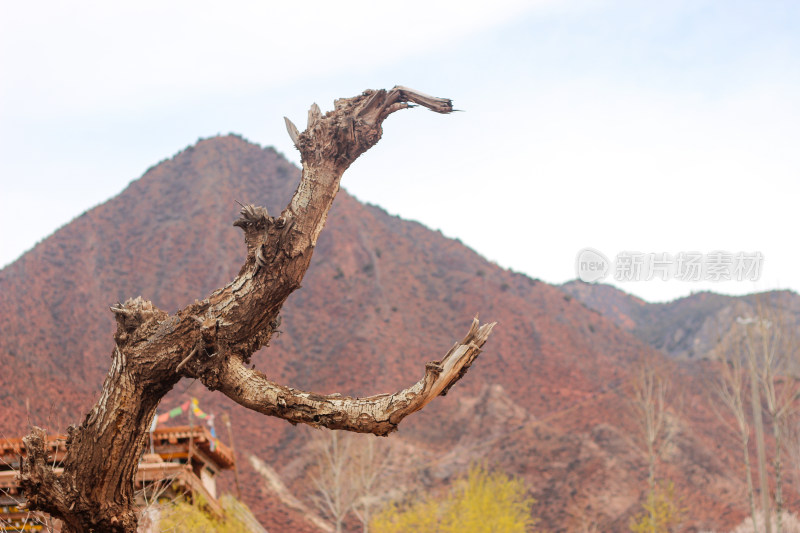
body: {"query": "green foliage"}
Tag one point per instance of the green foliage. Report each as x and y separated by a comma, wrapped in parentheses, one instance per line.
(193, 517)
(662, 512)
(480, 502)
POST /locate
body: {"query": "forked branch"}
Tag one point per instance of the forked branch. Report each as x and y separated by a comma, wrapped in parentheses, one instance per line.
(212, 339)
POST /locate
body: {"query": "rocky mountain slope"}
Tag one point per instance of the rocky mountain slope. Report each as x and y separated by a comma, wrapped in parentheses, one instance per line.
(687, 328)
(547, 400)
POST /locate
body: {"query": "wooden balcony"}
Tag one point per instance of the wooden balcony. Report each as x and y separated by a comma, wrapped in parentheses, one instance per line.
(178, 461)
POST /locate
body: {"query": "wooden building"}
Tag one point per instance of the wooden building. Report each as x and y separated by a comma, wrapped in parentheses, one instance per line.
(179, 462)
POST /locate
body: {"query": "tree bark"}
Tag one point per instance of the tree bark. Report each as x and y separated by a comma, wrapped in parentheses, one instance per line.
(213, 339)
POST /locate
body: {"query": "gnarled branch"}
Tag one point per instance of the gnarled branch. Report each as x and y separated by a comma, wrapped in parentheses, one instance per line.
(212, 339)
(375, 414)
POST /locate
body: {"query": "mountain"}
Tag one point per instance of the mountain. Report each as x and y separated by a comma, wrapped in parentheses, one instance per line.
(620, 307)
(688, 328)
(548, 400)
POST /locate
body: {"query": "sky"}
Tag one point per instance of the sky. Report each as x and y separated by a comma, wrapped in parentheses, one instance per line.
(631, 128)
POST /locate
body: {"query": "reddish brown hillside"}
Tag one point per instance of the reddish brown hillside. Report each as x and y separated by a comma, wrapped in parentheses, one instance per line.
(383, 296)
(689, 327)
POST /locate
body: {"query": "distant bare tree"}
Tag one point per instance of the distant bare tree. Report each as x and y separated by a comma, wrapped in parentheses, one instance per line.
(347, 476)
(370, 466)
(761, 348)
(648, 402)
(771, 345)
(213, 339)
(758, 425)
(730, 390)
(335, 492)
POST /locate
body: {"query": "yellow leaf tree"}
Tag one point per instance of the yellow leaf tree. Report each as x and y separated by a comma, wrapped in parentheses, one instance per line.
(663, 512)
(480, 502)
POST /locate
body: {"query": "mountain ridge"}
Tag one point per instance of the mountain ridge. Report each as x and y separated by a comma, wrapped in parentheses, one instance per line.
(689, 327)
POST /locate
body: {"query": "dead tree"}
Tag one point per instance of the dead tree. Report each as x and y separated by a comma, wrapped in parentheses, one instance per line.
(336, 491)
(649, 406)
(213, 340)
(731, 391)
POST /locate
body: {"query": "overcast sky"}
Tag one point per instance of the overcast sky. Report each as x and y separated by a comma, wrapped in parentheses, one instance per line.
(652, 127)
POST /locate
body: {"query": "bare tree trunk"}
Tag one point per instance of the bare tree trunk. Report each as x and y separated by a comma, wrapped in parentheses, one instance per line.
(751, 499)
(758, 423)
(335, 493)
(346, 477)
(370, 464)
(648, 401)
(730, 389)
(778, 465)
(777, 342)
(212, 340)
